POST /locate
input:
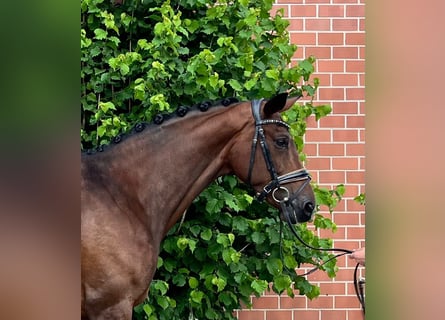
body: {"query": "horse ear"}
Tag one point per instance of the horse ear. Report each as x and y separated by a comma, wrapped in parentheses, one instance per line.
(279, 103)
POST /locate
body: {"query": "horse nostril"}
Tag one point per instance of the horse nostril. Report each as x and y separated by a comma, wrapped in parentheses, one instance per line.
(308, 207)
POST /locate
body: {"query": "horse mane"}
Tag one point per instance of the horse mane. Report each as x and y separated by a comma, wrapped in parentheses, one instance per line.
(159, 119)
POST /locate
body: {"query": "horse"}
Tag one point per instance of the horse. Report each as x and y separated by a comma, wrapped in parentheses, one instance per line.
(136, 188)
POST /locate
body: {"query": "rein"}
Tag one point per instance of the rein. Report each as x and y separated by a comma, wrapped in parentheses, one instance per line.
(276, 183)
(358, 284)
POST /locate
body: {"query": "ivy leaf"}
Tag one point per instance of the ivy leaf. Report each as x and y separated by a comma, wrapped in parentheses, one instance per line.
(274, 266)
(258, 237)
(100, 34)
(235, 85)
(193, 282)
(196, 296)
(259, 286)
(281, 282)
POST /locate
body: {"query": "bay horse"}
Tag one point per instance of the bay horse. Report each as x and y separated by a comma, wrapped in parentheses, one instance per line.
(137, 188)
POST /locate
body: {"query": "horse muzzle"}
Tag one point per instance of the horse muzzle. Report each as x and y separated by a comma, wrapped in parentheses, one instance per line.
(297, 210)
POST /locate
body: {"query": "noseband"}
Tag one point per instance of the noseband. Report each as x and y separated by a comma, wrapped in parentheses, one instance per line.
(276, 181)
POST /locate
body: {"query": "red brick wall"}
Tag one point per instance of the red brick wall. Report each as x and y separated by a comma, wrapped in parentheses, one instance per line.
(334, 32)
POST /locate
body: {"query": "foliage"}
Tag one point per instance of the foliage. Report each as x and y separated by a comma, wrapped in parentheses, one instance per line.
(146, 57)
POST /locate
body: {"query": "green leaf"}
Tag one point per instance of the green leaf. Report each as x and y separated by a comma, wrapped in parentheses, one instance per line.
(274, 266)
(258, 237)
(162, 286)
(235, 85)
(281, 282)
(100, 34)
(259, 286)
(196, 295)
(193, 282)
(273, 74)
(206, 234)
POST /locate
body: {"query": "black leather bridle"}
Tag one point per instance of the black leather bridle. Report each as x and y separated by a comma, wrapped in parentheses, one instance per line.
(276, 181)
(276, 184)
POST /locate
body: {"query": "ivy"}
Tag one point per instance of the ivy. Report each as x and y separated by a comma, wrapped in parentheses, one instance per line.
(150, 56)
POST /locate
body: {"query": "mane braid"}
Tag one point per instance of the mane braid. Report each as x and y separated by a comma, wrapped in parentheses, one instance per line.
(160, 118)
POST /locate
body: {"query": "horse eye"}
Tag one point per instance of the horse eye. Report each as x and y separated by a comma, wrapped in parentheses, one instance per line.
(282, 143)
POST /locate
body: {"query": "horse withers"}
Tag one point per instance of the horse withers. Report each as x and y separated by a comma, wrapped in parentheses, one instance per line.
(134, 191)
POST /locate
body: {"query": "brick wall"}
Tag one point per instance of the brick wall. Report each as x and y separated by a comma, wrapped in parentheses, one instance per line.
(334, 32)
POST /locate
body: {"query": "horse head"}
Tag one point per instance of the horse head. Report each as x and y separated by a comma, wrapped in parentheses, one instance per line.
(274, 169)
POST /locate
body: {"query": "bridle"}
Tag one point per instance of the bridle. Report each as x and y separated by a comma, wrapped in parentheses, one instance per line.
(276, 182)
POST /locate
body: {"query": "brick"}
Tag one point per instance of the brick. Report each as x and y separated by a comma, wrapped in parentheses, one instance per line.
(332, 288)
(336, 177)
(362, 106)
(332, 149)
(304, 11)
(295, 25)
(318, 52)
(316, 276)
(319, 163)
(345, 53)
(331, 11)
(305, 38)
(352, 190)
(355, 233)
(357, 121)
(345, 1)
(362, 53)
(345, 25)
(344, 107)
(349, 245)
(355, 149)
(290, 1)
(355, 10)
(362, 79)
(298, 55)
(362, 25)
(355, 66)
(345, 218)
(331, 38)
(340, 233)
(317, 24)
(311, 123)
(344, 164)
(311, 149)
(331, 93)
(265, 302)
(307, 314)
(357, 39)
(333, 315)
(321, 302)
(318, 135)
(354, 314)
(330, 66)
(354, 205)
(355, 176)
(348, 79)
(355, 93)
(340, 207)
(332, 121)
(345, 135)
(292, 303)
(362, 164)
(342, 302)
(279, 315)
(251, 315)
(324, 78)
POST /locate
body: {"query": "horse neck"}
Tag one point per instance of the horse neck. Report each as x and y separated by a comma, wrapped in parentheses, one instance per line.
(168, 166)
